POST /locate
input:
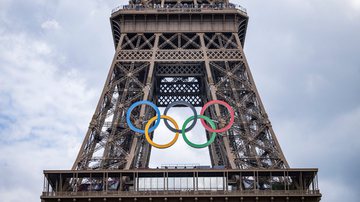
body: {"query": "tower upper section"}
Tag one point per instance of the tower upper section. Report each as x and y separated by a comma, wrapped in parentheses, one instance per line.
(179, 16)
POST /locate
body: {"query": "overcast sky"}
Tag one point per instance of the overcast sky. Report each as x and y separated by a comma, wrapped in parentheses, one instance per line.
(55, 55)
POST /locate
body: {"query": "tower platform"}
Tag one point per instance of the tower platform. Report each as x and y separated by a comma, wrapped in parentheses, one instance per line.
(193, 184)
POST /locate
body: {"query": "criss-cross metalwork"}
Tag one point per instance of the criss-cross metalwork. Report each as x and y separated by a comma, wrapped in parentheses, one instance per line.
(179, 64)
(183, 50)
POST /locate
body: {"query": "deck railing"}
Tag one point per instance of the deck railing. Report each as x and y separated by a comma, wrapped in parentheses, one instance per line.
(179, 7)
(186, 193)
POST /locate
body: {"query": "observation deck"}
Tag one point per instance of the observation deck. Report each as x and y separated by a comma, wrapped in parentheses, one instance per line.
(182, 17)
(182, 185)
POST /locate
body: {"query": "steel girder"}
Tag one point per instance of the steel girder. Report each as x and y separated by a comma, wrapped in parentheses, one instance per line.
(196, 67)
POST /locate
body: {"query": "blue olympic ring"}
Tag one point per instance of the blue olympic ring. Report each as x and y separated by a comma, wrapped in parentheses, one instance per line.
(128, 113)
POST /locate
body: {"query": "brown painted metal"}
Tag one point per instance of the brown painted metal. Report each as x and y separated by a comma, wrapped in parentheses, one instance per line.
(220, 185)
(147, 38)
(200, 46)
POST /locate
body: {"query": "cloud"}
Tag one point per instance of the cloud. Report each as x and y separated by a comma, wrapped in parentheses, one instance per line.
(38, 121)
(332, 187)
(316, 82)
(50, 25)
(355, 4)
(307, 76)
(46, 100)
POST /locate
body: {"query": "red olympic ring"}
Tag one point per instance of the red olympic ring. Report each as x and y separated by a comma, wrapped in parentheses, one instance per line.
(228, 107)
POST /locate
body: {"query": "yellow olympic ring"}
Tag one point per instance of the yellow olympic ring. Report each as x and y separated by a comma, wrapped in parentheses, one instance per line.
(159, 146)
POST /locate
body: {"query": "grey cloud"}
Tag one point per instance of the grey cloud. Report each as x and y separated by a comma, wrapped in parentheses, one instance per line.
(303, 55)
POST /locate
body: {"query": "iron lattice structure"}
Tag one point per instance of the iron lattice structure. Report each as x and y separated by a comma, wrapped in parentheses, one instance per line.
(194, 56)
(170, 51)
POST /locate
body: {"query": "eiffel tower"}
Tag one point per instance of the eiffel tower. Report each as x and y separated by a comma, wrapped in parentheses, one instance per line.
(183, 50)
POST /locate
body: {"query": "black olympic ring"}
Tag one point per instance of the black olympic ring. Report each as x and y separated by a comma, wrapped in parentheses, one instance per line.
(185, 104)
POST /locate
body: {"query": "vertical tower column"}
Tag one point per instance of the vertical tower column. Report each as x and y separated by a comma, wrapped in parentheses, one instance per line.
(229, 155)
(93, 133)
(135, 147)
(261, 105)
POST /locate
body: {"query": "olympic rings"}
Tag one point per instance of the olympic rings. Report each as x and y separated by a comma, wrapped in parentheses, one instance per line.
(232, 116)
(132, 127)
(181, 103)
(158, 145)
(199, 146)
(183, 130)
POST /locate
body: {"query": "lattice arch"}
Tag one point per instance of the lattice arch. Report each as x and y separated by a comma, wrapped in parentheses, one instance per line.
(143, 41)
(250, 137)
(179, 81)
(220, 41)
(179, 41)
